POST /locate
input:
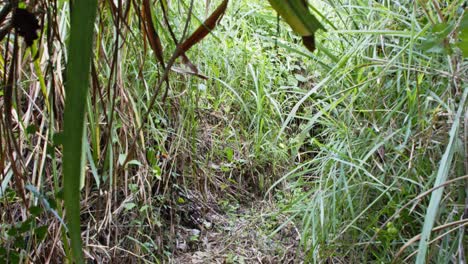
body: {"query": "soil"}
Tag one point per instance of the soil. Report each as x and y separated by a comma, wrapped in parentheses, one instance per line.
(238, 233)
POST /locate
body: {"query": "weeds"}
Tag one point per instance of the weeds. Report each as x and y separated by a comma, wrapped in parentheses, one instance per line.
(184, 140)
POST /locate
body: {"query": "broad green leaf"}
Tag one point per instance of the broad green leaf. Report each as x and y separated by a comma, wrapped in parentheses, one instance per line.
(83, 14)
(297, 14)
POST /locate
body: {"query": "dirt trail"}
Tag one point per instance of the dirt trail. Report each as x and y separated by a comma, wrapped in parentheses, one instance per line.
(239, 233)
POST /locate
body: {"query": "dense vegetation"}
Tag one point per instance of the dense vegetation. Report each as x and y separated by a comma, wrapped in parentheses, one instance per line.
(240, 147)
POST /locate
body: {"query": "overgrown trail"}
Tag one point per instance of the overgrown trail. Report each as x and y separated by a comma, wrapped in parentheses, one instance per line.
(359, 142)
(239, 233)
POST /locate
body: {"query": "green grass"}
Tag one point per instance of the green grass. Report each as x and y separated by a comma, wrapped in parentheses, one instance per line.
(359, 143)
(372, 139)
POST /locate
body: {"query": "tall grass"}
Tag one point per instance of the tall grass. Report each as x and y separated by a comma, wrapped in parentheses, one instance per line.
(348, 140)
(375, 130)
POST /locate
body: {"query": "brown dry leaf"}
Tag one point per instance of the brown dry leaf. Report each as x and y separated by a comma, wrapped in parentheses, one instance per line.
(204, 29)
(201, 32)
(151, 33)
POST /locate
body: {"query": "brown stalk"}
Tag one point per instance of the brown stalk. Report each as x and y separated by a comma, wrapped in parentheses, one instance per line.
(459, 223)
(11, 141)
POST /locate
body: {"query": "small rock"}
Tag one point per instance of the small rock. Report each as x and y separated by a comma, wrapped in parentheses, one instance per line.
(194, 232)
(207, 224)
(181, 245)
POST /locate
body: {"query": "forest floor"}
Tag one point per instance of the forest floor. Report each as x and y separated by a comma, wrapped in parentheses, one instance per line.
(238, 233)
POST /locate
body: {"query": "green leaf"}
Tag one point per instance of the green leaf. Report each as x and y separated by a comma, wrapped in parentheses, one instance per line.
(434, 42)
(58, 139)
(13, 231)
(35, 210)
(19, 243)
(82, 17)
(144, 208)
(134, 162)
(14, 257)
(463, 43)
(123, 157)
(463, 46)
(300, 78)
(157, 172)
(26, 226)
(297, 14)
(31, 129)
(41, 232)
(181, 200)
(229, 154)
(129, 206)
(151, 157)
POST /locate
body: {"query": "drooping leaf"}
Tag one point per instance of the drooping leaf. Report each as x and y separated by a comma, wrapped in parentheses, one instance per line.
(203, 30)
(297, 14)
(150, 31)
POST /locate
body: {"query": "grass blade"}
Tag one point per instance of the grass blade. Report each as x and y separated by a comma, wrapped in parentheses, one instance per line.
(442, 174)
(79, 61)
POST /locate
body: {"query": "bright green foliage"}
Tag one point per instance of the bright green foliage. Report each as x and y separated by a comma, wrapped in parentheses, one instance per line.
(337, 151)
(296, 13)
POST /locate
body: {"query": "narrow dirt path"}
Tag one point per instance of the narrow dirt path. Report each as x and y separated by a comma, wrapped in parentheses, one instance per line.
(239, 233)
